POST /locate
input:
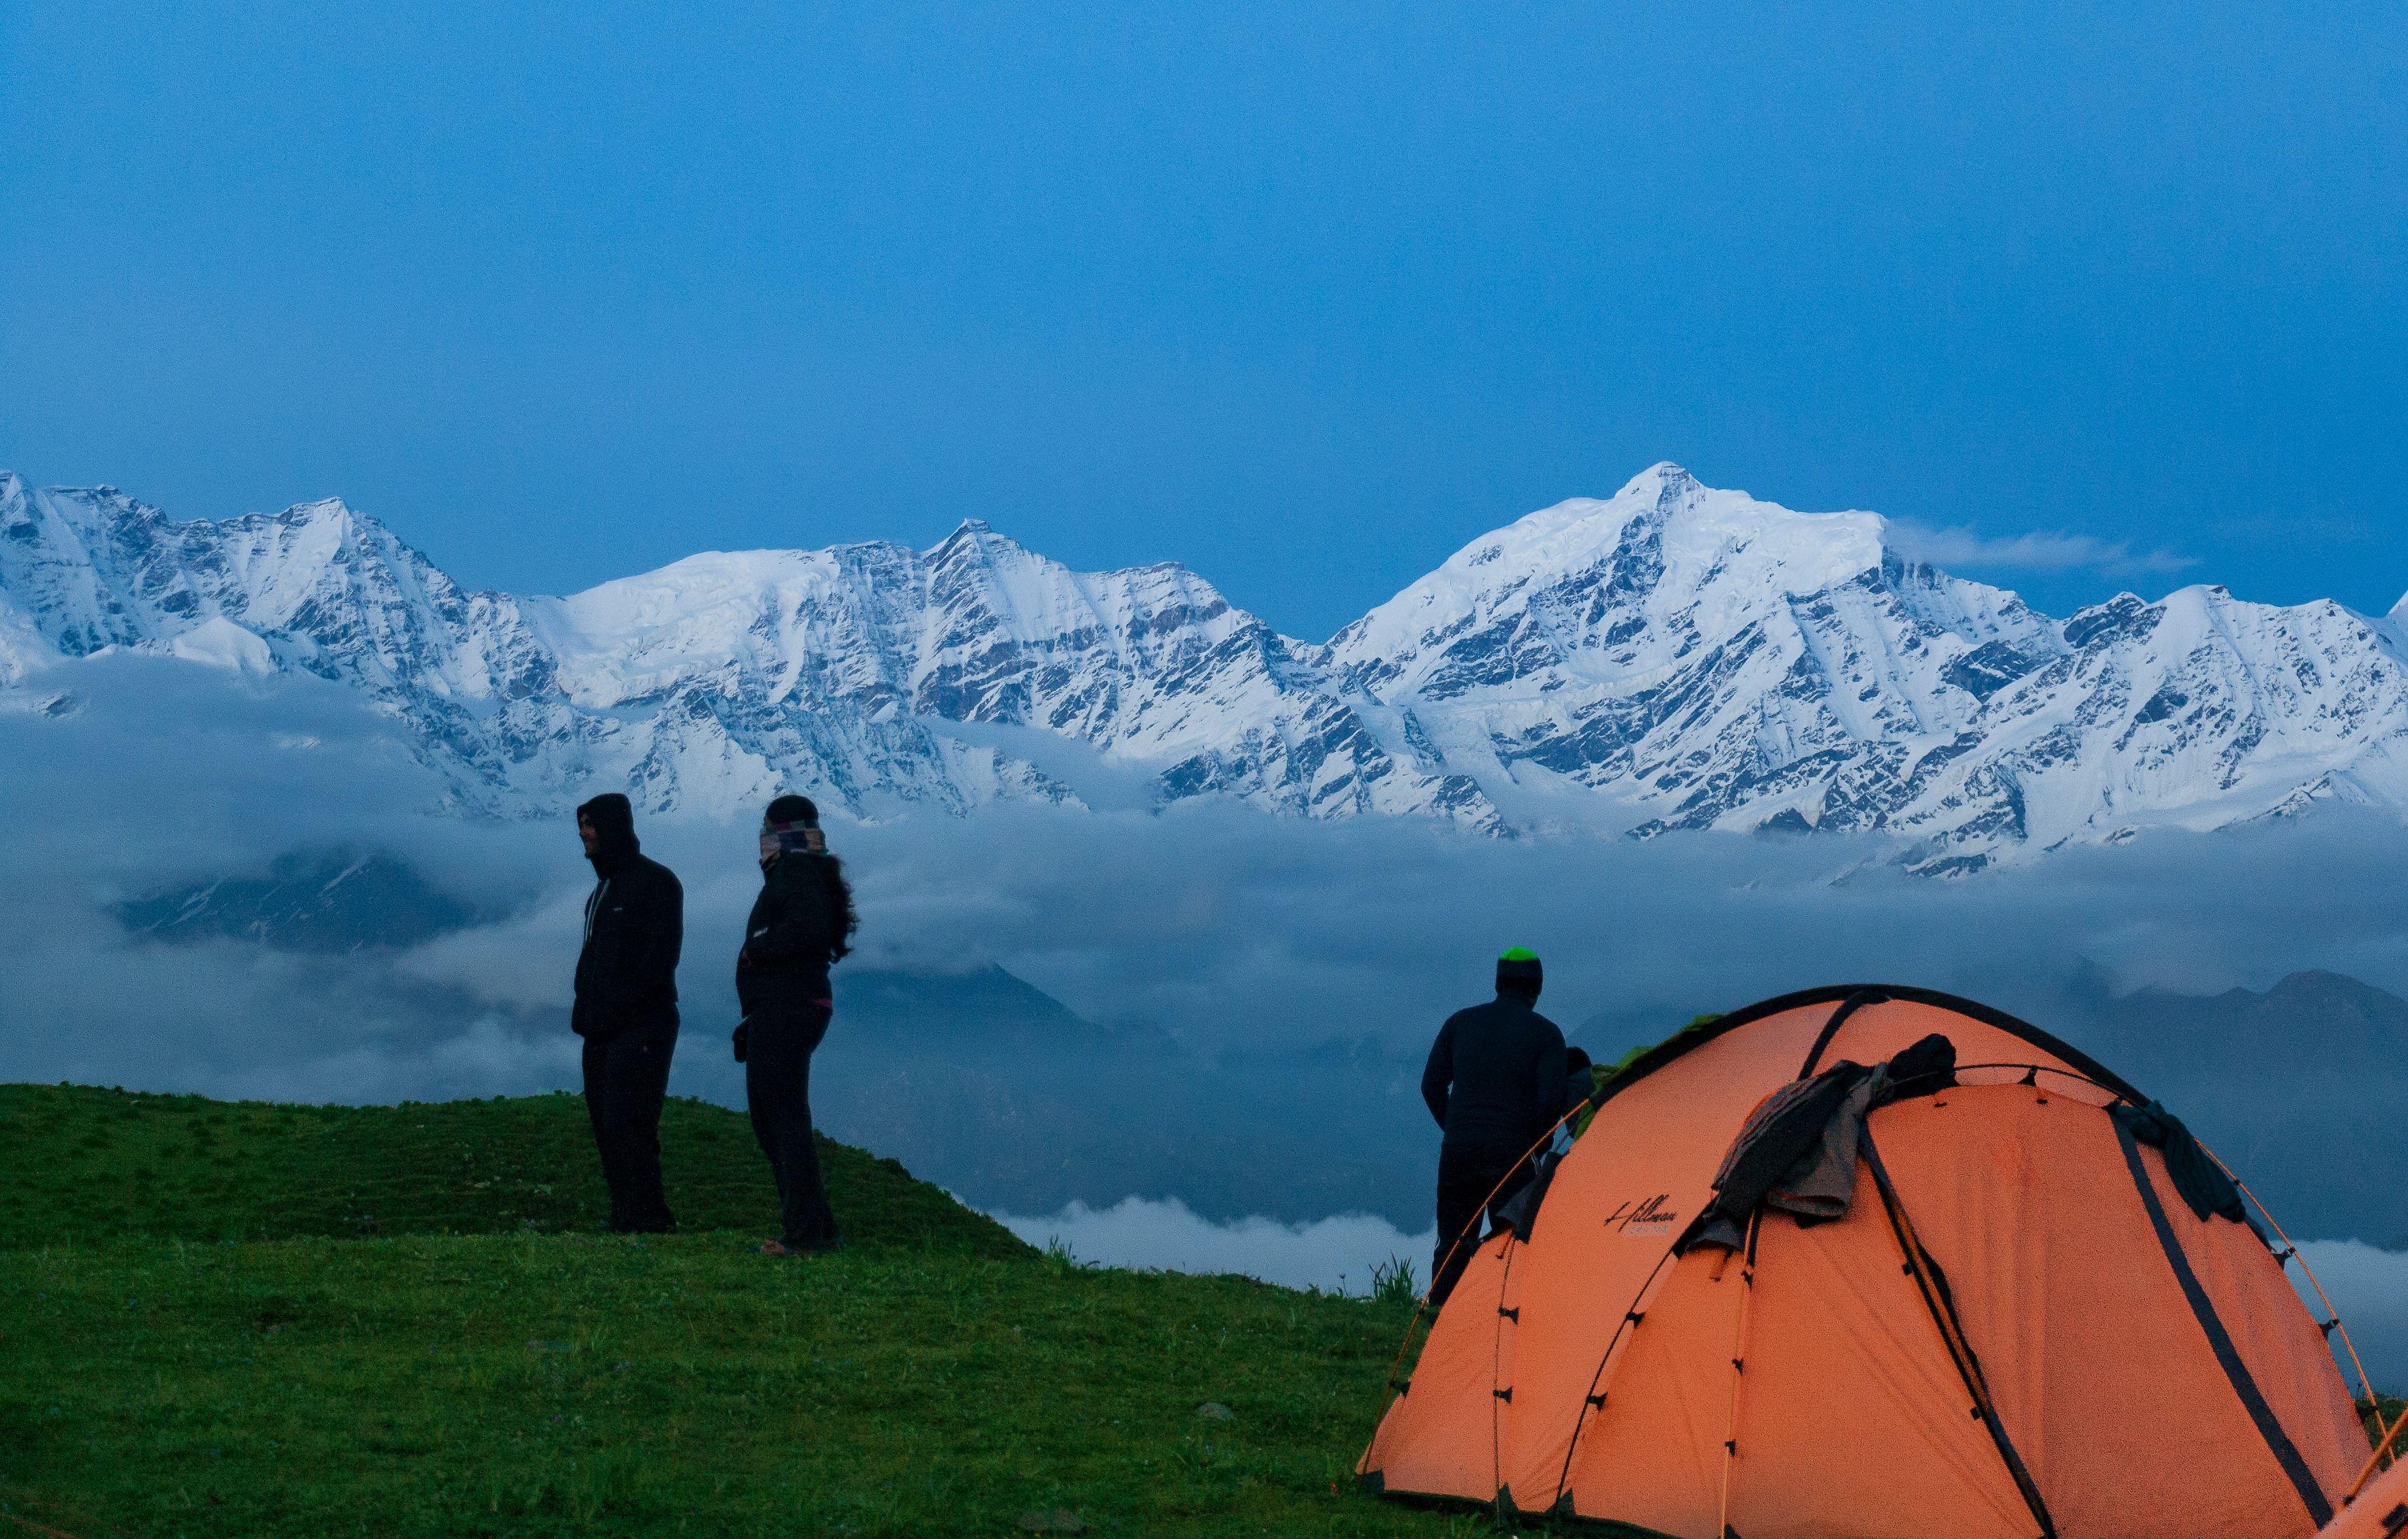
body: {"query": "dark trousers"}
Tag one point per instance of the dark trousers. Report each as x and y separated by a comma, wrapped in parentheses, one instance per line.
(778, 1091)
(1467, 1174)
(626, 1079)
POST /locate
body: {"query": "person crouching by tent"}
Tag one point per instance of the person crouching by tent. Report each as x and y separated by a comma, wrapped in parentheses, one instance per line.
(626, 1008)
(801, 924)
(1495, 1082)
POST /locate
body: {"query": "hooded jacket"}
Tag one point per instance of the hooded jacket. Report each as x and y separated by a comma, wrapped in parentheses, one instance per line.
(795, 930)
(634, 928)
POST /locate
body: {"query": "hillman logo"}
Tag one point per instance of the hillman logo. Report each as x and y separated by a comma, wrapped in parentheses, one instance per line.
(1646, 1217)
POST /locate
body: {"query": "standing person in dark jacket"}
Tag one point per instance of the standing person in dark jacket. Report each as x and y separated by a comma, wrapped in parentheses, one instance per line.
(626, 1008)
(801, 924)
(1496, 1083)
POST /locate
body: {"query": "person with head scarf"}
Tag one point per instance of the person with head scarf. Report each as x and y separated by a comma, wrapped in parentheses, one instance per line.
(801, 924)
(626, 1008)
(1496, 1081)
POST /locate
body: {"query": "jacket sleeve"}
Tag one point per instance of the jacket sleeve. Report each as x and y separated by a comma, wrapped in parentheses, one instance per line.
(1439, 1073)
(1547, 1093)
(795, 926)
(651, 970)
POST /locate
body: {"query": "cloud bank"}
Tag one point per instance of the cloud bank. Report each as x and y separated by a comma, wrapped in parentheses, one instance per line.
(1338, 1255)
(2369, 1288)
(1959, 545)
(1225, 926)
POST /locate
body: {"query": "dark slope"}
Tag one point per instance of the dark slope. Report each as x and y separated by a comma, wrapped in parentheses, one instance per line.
(308, 901)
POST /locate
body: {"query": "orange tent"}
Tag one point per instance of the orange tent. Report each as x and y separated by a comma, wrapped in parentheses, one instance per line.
(2021, 1323)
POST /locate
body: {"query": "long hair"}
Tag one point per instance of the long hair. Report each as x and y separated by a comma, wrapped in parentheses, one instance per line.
(840, 910)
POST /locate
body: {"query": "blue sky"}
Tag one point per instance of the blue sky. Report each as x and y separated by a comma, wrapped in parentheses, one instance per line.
(1304, 297)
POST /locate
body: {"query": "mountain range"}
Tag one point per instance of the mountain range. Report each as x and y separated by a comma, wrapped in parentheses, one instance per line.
(1673, 657)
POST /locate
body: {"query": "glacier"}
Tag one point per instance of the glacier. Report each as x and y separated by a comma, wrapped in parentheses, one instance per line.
(1674, 657)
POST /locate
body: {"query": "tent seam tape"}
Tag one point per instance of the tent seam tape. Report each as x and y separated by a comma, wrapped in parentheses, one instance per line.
(1848, 1006)
(2228, 1356)
(1952, 1336)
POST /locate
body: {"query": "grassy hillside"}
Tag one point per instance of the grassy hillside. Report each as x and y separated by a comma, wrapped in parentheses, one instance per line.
(254, 1320)
(99, 1165)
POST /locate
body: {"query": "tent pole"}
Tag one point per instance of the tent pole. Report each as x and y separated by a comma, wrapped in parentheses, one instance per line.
(2376, 1459)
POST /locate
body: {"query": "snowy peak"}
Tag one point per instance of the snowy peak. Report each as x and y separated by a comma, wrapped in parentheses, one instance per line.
(102, 569)
(1671, 657)
(1661, 481)
(1623, 585)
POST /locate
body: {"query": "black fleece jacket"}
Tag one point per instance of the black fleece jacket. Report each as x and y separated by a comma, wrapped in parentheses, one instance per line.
(797, 928)
(1495, 1074)
(634, 928)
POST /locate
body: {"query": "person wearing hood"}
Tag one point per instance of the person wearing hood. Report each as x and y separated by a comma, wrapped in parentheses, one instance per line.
(801, 924)
(1497, 1082)
(626, 1008)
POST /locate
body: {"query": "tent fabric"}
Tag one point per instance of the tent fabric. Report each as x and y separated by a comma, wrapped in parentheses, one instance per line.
(2380, 1511)
(2019, 1326)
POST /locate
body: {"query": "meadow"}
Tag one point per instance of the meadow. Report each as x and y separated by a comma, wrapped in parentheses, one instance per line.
(235, 1318)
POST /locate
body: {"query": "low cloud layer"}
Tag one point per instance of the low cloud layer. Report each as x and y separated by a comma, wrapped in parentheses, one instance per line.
(1225, 926)
(1960, 546)
(2370, 1290)
(1340, 1255)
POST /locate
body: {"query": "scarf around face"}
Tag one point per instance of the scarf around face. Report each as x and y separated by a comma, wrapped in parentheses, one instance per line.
(785, 838)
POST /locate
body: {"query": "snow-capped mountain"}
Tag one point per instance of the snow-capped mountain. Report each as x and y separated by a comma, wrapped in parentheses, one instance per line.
(1671, 657)
(873, 676)
(1707, 660)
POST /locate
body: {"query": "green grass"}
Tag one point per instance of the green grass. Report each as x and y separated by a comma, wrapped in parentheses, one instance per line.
(250, 1319)
(90, 1166)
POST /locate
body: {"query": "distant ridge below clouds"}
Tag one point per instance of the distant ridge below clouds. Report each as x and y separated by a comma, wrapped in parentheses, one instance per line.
(1673, 657)
(308, 901)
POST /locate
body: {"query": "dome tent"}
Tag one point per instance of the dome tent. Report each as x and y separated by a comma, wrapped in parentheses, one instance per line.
(2013, 1313)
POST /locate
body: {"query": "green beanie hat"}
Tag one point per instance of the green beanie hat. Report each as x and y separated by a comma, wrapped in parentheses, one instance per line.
(1518, 968)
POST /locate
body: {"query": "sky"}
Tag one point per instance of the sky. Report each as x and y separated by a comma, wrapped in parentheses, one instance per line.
(1305, 297)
